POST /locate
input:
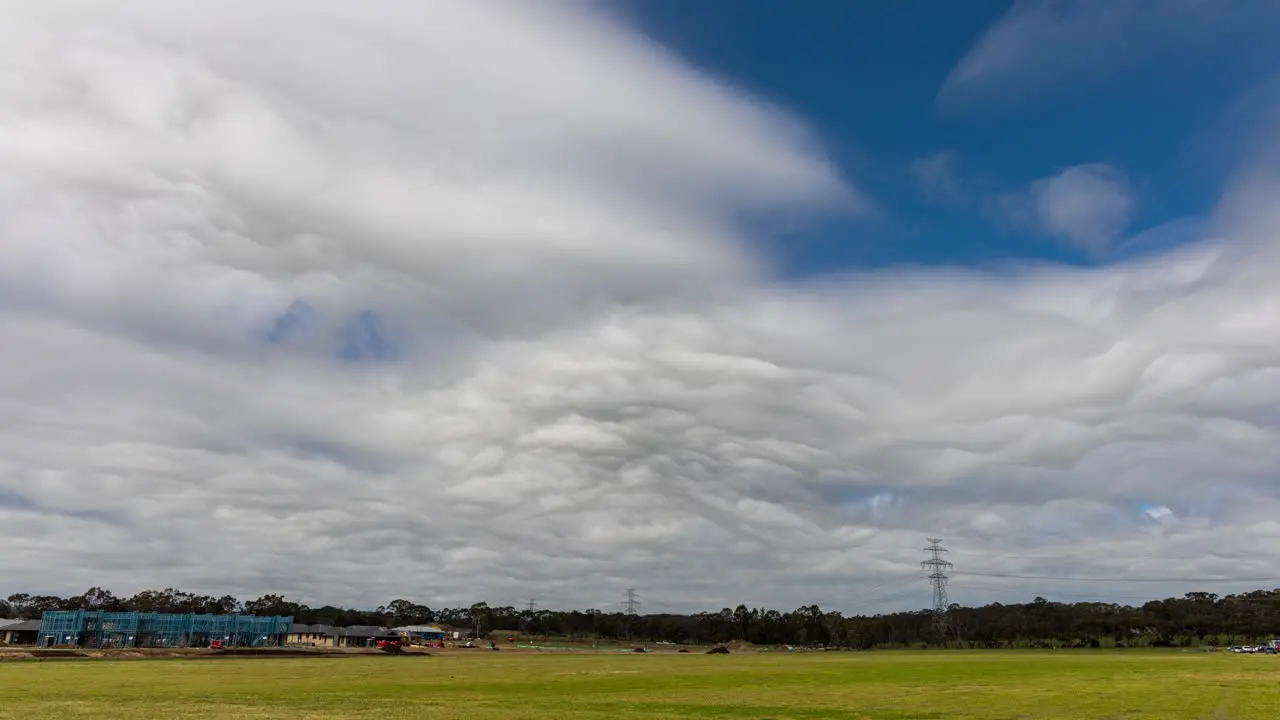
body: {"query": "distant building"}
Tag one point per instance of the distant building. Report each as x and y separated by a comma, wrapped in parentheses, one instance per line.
(156, 630)
(134, 629)
(421, 633)
(362, 635)
(19, 632)
(316, 635)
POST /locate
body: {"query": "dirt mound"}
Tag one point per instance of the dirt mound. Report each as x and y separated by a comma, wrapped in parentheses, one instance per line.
(718, 650)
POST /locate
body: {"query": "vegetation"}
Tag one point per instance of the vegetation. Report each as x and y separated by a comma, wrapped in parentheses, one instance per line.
(1164, 685)
(1194, 620)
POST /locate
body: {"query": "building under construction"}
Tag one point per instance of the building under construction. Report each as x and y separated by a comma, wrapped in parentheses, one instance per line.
(86, 628)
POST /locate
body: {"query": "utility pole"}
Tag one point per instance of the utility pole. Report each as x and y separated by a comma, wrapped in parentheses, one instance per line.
(937, 568)
(533, 605)
(629, 607)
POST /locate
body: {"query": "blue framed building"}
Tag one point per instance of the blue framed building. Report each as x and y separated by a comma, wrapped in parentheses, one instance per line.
(88, 628)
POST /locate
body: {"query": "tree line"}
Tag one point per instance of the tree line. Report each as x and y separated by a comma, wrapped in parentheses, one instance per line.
(1196, 619)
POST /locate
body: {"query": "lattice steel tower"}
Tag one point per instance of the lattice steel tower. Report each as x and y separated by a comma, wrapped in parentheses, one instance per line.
(937, 568)
(629, 607)
(632, 602)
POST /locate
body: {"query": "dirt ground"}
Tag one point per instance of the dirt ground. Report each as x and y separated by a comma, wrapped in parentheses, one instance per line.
(30, 653)
(17, 653)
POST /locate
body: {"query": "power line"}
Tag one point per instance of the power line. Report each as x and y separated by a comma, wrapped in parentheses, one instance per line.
(533, 605)
(1011, 576)
(1029, 591)
(937, 568)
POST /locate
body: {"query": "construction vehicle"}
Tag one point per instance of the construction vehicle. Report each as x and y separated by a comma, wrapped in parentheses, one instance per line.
(392, 642)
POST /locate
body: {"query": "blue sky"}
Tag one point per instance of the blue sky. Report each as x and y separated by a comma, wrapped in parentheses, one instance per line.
(868, 77)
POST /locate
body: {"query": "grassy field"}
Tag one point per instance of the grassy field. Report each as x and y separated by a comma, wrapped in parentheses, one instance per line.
(951, 685)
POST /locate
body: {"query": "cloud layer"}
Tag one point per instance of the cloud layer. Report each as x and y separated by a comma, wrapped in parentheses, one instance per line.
(289, 297)
(1040, 48)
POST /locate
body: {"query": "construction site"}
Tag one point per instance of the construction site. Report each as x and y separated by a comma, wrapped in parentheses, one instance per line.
(91, 629)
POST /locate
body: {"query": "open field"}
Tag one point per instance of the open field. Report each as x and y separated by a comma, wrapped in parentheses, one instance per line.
(898, 685)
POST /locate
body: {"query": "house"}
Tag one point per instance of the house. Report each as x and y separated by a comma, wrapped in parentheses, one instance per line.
(362, 635)
(316, 635)
(421, 633)
(21, 632)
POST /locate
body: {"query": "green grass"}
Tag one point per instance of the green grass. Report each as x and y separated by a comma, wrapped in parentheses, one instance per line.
(883, 685)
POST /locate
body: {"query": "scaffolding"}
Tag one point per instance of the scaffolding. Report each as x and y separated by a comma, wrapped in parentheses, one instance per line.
(159, 630)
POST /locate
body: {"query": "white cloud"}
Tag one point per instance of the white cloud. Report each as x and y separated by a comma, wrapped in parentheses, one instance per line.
(1086, 206)
(452, 146)
(1161, 238)
(937, 178)
(1038, 48)
(589, 390)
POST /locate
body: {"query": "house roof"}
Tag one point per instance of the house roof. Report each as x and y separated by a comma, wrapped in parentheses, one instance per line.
(420, 629)
(9, 621)
(331, 630)
(24, 626)
(365, 630)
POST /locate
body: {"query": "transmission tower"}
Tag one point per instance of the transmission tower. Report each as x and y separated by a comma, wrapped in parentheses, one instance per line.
(629, 607)
(527, 620)
(632, 602)
(937, 568)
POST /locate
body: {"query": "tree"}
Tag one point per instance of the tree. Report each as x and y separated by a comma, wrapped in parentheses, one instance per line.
(481, 618)
(1197, 617)
(95, 598)
(404, 612)
(30, 607)
(272, 605)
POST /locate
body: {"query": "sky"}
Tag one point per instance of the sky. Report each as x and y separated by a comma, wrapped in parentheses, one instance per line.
(725, 302)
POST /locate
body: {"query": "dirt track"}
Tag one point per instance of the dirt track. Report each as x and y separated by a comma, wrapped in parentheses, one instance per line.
(26, 653)
(39, 654)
